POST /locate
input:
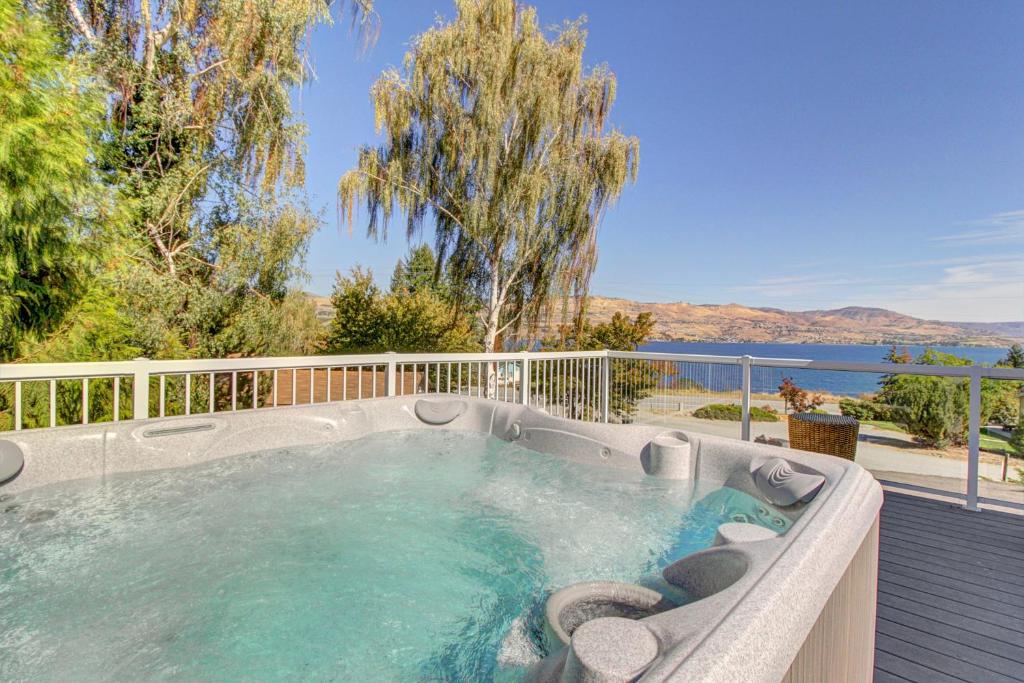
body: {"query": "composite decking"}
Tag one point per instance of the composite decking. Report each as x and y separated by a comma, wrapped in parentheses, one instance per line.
(950, 593)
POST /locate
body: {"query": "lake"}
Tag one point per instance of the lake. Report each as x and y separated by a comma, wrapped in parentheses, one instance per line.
(767, 380)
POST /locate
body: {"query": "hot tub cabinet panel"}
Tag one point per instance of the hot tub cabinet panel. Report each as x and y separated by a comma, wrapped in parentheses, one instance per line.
(796, 606)
(841, 644)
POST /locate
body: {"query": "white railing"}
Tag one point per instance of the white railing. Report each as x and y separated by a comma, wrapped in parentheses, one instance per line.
(594, 385)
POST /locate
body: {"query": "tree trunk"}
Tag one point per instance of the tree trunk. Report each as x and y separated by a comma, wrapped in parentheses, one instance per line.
(491, 322)
(493, 314)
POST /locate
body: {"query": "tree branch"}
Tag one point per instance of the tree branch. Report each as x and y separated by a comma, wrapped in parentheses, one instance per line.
(420, 194)
(149, 40)
(83, 25)
(161, 247)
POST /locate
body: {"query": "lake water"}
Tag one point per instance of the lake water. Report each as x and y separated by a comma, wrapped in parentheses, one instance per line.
(767, 380)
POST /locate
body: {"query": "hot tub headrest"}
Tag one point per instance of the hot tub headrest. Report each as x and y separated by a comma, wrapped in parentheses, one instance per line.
(438, 411)
(11, 461)
(782, 485)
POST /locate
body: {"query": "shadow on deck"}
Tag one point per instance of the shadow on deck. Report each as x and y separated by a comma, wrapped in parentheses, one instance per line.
(950, 593)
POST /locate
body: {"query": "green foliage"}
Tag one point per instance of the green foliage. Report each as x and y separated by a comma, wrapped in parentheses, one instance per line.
(201, 162)
(496, 131)
(631, 380)
(935, 409)
(51, 113)
(367, 320)
(201, 105)
(865, 410)
(999, 401)
(357, 325)
(1016, 443)
(734, 413)
(419, 272)
(1014, 357)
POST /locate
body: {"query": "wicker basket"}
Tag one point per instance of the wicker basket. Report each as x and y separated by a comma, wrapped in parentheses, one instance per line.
(820, 433)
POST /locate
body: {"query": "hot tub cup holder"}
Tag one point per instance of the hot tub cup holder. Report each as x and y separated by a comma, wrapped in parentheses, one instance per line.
(669, 455)
(709, 571)
(571, 607)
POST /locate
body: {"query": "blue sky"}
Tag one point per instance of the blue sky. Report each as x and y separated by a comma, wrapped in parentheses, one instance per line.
(799, 155)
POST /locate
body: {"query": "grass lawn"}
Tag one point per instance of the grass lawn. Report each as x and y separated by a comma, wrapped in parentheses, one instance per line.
(989, 442)
(883, 424)
(995, 444)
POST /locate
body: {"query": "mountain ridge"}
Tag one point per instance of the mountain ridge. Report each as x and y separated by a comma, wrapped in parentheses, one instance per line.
(683, 321)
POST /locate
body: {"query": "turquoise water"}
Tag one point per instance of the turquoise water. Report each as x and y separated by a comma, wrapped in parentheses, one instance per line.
(409, 556)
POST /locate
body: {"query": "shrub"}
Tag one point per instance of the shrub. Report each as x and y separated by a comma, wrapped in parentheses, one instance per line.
(765, 414)
(1017, 441)
(865, 410)
(933, 409)
(733, 413)
(798, 399)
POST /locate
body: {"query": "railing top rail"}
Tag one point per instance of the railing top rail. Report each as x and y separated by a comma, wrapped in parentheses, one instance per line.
(43, 371)
(808, 364)
(47, 371)
(676, 357)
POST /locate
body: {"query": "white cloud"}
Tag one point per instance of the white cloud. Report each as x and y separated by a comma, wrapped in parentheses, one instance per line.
(966, 289)
(1000, 228)
(983, 291)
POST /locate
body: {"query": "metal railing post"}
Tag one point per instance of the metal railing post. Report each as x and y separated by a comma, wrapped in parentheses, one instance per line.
(606, 371)
(140, 389)
(973, 439)
(524, 379)
(745, 363)
(392, 376)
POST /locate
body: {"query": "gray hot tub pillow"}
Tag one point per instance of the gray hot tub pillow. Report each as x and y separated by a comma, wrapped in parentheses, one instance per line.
(11, 461)
(777, 481)
(438, 412)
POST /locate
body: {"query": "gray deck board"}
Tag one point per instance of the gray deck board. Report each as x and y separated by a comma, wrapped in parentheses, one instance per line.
(951, 593)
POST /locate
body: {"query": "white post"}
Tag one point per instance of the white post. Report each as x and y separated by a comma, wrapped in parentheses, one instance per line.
(17, 406)
(140, 389)
(524, 379)
(973, 439)
(745, 362)
(606, 371)
(392, 377)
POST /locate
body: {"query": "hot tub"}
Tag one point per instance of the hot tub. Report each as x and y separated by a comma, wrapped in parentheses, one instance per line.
(472, 539)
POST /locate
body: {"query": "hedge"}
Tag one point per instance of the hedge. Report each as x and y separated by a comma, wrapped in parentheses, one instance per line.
(733, 412)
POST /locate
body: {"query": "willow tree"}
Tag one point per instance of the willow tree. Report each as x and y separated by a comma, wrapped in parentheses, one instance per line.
(495, 130)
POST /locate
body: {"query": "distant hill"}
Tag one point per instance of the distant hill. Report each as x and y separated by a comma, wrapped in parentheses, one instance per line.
(851, 325)
(735, 323)
(1011, 330)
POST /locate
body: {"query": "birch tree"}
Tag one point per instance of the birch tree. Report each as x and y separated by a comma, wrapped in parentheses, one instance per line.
(494, 129)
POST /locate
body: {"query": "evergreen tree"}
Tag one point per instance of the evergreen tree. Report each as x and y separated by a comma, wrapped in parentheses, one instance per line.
(403, 320)
(418, 272)
(1014, 357)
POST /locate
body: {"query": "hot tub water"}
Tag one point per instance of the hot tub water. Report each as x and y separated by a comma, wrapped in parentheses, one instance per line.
(420, 555)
